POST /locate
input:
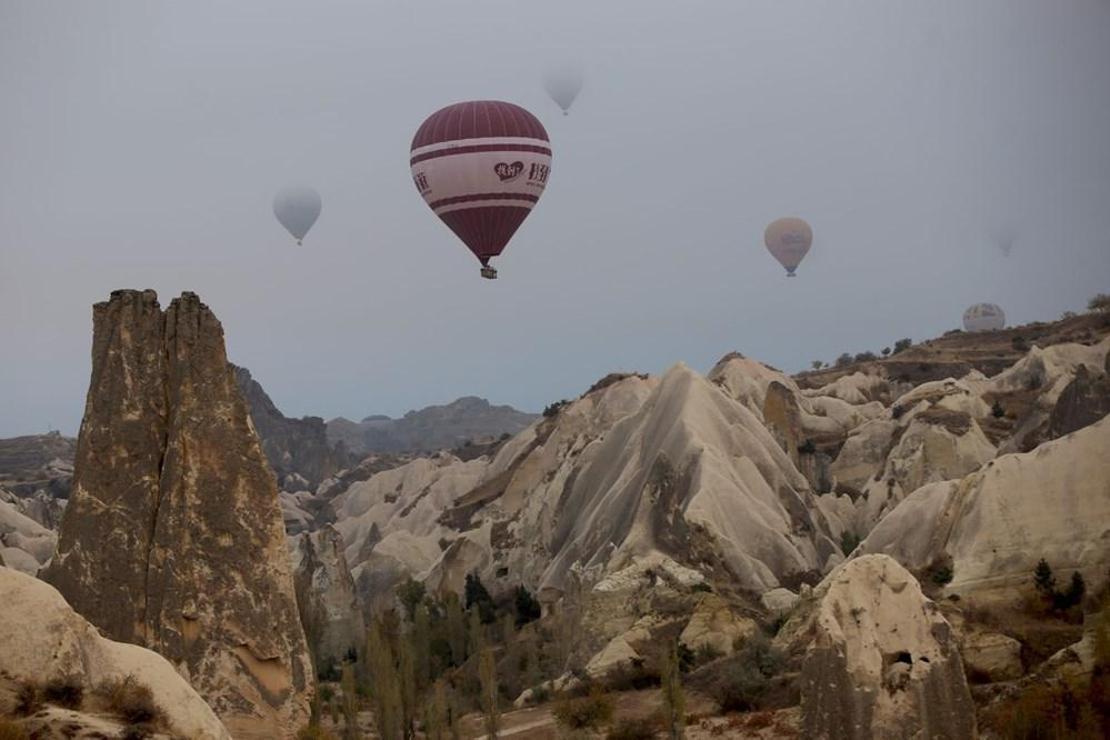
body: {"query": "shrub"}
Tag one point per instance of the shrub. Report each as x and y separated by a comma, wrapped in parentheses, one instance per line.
(65, 691)
(1077, 588)
(848, 542)
(1100, 302)
(844, 360)
(11, 731)
(1043, 580)
(997, 411)
(886, 351)
(865, 357)
(807, 447)
(136, 732)
(28, 699)
(131, 701)
(590, 711)
(314, 732)
(902, 345)
(817, 364)
(1067, 315)
(554, 408)
(629, 675)
(941, 575)
(897, 411)
(643, 728)
(747, 677)
(1020, 343)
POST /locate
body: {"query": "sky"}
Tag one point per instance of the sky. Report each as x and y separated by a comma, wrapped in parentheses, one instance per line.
(141, 144)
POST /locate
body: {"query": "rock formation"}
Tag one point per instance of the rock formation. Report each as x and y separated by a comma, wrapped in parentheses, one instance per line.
(26, 544)
(326, 596)
(995, 524)
(42, 638)
(298, 449)
(882, 661)
(173, 537)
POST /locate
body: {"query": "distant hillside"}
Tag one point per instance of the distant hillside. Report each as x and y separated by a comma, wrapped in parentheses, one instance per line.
(431, 428)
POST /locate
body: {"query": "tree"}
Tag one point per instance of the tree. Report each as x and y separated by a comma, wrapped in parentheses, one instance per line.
(996, 410)
(886, 351)
(674, 700)
(1077, 588)
(384, 684)
(410, 592)
(1043, 580)
(865, 357)
(421, 638)
(844, 360)
(1100, 302)
(456, 628)
(487, 674)
(817, 364)
(526, 607)
(902, 345)
(477, 596)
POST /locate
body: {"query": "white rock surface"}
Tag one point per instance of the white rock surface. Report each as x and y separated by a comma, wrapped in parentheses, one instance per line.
(42, 637)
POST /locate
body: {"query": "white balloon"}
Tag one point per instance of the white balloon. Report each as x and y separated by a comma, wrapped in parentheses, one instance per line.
(297, 207)
(563, 85)
(984, 317)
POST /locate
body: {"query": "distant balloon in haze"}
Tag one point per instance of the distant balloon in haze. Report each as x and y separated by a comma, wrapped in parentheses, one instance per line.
(481, 166)
(297, 208)
(984, 317)
(788, 240)
(1005, 241)
(563, 85)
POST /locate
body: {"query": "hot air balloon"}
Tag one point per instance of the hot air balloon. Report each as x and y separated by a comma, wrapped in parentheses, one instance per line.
(788, 240)
(481, 166)
(563, 85)
(984, 317)
(297, 208)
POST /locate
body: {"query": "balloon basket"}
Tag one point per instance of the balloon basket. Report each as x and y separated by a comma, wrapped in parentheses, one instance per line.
(489, 273)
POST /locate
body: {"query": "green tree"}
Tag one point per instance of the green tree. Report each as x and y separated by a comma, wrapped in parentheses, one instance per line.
(674, 699)
(525, 605)
(1043, 580)
(902, 345)
(817, 364)
(410, 593)
(478, 597)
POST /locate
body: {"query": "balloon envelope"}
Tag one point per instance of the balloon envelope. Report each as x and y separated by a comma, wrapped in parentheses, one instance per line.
(788, 240)
(297, 209)
(481, 166)
(984, 317)
(563, 85)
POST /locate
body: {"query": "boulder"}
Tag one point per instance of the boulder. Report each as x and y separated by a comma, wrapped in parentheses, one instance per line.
(715, 626)
(882, 661)
(41, 638)
(991, 656)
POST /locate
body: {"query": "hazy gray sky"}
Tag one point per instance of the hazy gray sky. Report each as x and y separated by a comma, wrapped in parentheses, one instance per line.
(141, 144)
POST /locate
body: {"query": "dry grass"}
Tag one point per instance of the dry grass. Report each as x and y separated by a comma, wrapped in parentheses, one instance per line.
(64, 691)
(9, 730)
(131, 701)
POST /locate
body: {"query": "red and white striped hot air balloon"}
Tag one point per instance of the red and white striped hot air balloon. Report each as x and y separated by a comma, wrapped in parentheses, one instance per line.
(481, 166)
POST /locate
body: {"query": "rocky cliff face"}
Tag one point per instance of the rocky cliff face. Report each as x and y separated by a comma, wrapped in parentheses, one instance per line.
(881, 661)
(173, 538)
(298, 449)
(42, 638)
(326, 596)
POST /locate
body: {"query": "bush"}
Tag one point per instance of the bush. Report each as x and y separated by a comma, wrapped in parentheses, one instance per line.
(844, 360)
(65, 691)
(1100, 302)
(131, 701)
(902, 345)
(554, 408)
(590, 711)
(643, 728)
(11, 731)
(807, 447)
(997, 411)
(28, 699)
(865, 357)
(1020, 343)
(941, 575)
(631, 675)
(848, 542)
(314, 732)
(748, 675)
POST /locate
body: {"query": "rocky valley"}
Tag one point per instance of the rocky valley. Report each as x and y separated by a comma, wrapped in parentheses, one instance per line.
(913, 546)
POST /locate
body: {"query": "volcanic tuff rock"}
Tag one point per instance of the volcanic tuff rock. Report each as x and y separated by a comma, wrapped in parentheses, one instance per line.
(42, 638)
(882, 661)
(173, 537)
(429, 429)
(25, 543)
(995, 524)
(326, 595)
(298, 449)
